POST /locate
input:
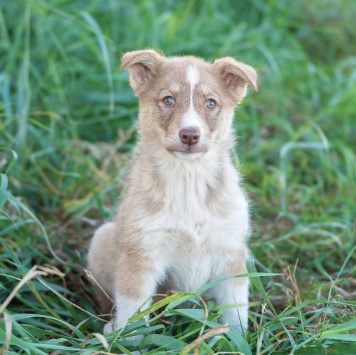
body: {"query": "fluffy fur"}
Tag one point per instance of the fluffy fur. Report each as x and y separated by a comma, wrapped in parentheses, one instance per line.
(184, 218)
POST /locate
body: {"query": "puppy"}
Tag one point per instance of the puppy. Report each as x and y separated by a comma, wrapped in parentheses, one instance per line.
(184, 219)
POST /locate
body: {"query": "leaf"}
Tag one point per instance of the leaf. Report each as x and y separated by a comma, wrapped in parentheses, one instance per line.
(13, 160)
(346, 327)
(258, 284)
(27, 346)
(344, 337)
(158, 305)
(163, 341)
(239, 341)
(3, 188)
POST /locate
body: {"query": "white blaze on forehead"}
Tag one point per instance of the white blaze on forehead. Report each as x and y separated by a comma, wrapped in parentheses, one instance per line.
(193, 77)
(191, 117)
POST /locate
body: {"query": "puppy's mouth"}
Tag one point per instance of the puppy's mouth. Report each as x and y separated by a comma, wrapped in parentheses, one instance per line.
(189, 155)
(188, 152)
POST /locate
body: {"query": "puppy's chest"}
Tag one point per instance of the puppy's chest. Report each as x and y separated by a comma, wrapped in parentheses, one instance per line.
(191, 266)
(194, 204)
(186, 198)
(190, 224)
(184, 211)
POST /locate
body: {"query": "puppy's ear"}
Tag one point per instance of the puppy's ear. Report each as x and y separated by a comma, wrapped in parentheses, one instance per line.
(142, 66)
(236, 76)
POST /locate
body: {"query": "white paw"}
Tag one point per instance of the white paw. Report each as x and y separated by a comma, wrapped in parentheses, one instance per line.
(108, 328)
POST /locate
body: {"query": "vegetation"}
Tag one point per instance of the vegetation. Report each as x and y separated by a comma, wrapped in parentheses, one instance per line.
(67, 128)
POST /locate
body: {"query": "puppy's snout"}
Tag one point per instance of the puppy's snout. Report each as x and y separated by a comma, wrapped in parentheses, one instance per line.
(190, 135)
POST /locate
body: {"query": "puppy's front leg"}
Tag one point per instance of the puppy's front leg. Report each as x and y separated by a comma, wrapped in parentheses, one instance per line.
(234, 293)
(136, 280)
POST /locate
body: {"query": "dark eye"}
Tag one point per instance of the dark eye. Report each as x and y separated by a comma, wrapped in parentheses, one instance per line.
(210, 104)
(168, 100)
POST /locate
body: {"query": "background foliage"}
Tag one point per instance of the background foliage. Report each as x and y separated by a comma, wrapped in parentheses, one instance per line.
(67, 128)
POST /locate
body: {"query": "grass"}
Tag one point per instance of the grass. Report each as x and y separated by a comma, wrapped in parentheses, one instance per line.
(67, 128)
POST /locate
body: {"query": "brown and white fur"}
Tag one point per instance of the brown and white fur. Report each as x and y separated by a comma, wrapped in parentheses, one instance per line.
(184, 219)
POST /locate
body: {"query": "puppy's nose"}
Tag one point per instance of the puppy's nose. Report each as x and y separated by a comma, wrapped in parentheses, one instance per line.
(190, 135)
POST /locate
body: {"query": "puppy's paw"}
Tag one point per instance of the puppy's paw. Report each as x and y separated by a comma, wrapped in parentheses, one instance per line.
(108, 328)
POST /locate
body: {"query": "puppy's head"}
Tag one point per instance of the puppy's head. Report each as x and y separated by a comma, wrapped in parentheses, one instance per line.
(186, 104)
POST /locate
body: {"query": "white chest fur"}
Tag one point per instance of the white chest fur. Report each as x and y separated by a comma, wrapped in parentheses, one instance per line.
(197, 195)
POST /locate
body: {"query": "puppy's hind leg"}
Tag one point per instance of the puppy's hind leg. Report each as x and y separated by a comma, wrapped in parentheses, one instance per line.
(101, 264)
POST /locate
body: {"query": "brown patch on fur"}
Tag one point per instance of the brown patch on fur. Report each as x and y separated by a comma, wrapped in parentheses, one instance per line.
(133, 270)
(239, 266)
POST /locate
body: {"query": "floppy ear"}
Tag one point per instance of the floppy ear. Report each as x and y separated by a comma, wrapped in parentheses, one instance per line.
(236, 76)
(142, 66)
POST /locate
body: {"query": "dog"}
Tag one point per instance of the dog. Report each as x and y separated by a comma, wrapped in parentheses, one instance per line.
(184, 219)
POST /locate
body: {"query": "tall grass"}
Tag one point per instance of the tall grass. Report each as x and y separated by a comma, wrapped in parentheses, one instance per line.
(67, 128)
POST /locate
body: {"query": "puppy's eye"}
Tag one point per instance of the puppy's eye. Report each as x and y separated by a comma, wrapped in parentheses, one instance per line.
(210, 104)
(168, 100)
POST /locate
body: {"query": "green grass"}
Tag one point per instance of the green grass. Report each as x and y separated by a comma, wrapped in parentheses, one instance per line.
(67, 128)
